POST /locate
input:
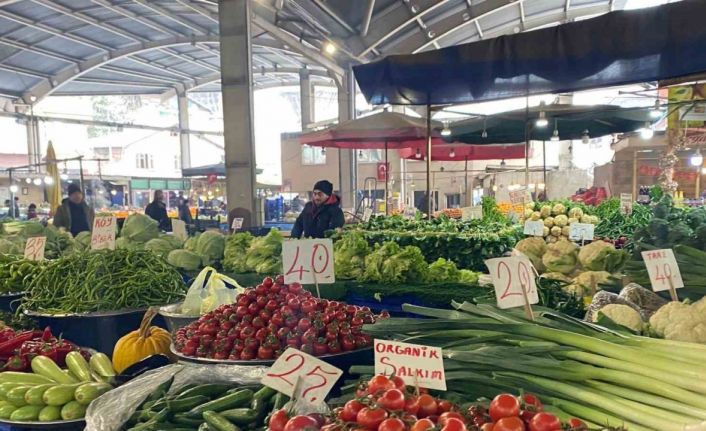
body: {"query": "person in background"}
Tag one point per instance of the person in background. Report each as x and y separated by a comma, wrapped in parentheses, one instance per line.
(31, 211)
(17, 207)
(157, 210)
(184, 211)
(321, 214)
(74, 214)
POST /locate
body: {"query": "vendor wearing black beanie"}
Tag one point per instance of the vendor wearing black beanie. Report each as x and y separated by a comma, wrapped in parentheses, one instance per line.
(74, 214)
(321, 214)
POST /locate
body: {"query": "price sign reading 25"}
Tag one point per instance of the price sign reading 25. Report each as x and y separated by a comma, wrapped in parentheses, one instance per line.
(297, 374)
(308, 261)
(513, 278)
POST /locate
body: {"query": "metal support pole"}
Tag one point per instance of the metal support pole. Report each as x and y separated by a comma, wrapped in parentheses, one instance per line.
(467, 201)
(184, 137)
(429, 201)
(12, 197)
(306, 99)
(544, 167)
(80, 173)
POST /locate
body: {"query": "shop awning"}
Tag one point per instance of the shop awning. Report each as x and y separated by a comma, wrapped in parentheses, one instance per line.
(462, 152)
(617, 48)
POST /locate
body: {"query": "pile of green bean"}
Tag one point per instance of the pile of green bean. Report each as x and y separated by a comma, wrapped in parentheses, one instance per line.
(16, 273)
(106, 280)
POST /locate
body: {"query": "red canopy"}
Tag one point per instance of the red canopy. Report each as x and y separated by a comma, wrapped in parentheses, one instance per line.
(374, 132)
(461, 152)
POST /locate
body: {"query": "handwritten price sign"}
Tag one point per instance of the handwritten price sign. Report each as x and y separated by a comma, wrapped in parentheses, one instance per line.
(626, 203)
(312, 377)
(308, 261)
(237, 223)
(534, 228)
(513, 278)
(581, 231)
(103, 234)
(663, 270)
(34, 248)
(417, 365)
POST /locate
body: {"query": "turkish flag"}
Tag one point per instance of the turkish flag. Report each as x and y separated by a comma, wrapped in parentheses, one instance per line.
(382, 171)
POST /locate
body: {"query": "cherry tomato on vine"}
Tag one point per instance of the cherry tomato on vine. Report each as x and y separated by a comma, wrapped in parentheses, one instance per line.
(511, 423)
(422, 425)
(545, 422)
(504, 405)
(392, 424)
(392, 399)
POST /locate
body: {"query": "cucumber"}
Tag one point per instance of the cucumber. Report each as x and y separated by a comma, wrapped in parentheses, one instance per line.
(33, 396)
(218, 422)
(46, 367)
(186, 404)
(73, 410)
(210, 390)
(265, 393)
(16, 396)
(50, 413)
(183, 420)
(160, 391)
(237, 399)
(204, 427)
(101, 365)
(6, 411)
(26, 414)
(240, 416)
(88, 392)
(59, 395)
(78, 366)
(24, 378)
(5, 387)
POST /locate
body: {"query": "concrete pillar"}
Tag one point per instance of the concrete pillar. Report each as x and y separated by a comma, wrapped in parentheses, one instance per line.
(347, 160)
(237, 89)
(306, 96)
(33, 145)
(184, 137)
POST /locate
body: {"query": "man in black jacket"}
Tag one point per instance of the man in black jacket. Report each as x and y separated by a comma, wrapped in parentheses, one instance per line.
(321, 214)
(158, 211)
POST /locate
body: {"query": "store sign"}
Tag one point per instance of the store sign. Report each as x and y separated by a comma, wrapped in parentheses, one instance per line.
(514, 281)
(663, 269)
(103, 234)
(237, 223)
(383, 169)
(626, 203)
(308, 261)
(534, 228)
(34, 248)
(581, 231)
(417, 365)
(300, 374)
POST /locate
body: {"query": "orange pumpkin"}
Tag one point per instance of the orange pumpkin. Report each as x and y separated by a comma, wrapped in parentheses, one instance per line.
(141, 343)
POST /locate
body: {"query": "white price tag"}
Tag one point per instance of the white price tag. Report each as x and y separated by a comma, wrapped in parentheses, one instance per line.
(417, 365)
(315, 377)
(520, 196)
(367, 213)
(179, 229)
(237, 223)
(534, 228)
(626, 203)
(34, 248)
(103, 234)
(308, 261)
(581, 231)
(662, 267)
(513, 278)
(471, 213)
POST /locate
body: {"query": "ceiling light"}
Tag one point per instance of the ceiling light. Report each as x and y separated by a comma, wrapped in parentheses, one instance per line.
(697, 159)
(360, 154)
(452, 153)
(502, 163)
(555, 135)
(13, 188)
(446, 131)
(329, 48)
(37, 181)
(584, 137)
(485, 131)
(48, 180)
(113, 192)
(542, 121)
(28, 180)
(323, 151)
(647, 132)
(656, 112)
(418, 154)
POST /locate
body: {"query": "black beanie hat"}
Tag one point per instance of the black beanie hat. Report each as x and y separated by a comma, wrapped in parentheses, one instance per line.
(73, 188)
(324, 186)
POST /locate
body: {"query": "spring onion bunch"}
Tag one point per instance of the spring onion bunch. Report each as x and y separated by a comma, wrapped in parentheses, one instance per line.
(600, 376)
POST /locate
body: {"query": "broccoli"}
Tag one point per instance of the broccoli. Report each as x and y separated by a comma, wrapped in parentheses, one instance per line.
(679, 233)
(659, 228)
(696, 218)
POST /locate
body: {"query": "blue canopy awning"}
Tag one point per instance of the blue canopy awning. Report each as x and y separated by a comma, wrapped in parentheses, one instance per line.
(617, 48)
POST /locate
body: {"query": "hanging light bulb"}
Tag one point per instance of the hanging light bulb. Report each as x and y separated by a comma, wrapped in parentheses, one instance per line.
(647, 132)
(48, 180)
(330, 48)
(502, 163)
(555, 135)
(542, 121)
(446, 131)
(584, 137)
(656, 112)
(360, 154)
(697, 159)
(13, 188)
(485, 131)
(323, 151)
(418, 154)
(452, 153)
(37, 181)
(113, 192)
(28, 180)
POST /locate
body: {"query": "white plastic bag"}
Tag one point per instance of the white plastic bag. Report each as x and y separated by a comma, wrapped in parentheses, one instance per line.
(111, 410)
(209, 291)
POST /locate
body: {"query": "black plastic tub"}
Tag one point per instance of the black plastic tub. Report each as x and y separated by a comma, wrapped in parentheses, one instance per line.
(99, 331)
(11, 301)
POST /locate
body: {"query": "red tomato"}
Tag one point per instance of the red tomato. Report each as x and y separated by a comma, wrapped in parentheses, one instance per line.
(380, 384)
(487, 427)
(411, 405)
(512, 423)
(454, 424)
(445, 406)
(577, 425)
(350, 410)
(301, 423)
(448, 415)
(370, 418)
(422, 425)
(278, 420)
(532, 402)
(397, 380)
(392, 399)
(265, 352)
(427, 406)
(545, 422)
(504, 405)
(392, 424)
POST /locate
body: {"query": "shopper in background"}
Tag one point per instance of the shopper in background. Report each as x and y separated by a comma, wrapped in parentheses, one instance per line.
(74, 214)
(184, 211)
(31, 211)
(157, 210)
(321, 214)
(17, 207)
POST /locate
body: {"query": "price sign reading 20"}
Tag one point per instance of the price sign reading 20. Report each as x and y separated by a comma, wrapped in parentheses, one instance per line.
(308, 261)
(300, 375)
(513, 278)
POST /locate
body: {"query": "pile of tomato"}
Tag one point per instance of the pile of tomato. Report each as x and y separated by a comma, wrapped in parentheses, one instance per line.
(387, 404)
(267, 319)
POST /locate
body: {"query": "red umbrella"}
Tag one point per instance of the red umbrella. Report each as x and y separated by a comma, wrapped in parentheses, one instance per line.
(461, 152)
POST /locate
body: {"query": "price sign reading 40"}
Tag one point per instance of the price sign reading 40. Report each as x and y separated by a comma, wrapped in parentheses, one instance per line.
(308, 261)
(312, 377)
(103, 234)
(34, 248)
(663, 271)
(513, 278)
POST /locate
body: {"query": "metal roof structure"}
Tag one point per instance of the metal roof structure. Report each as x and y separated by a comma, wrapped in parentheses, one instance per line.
(92, 47)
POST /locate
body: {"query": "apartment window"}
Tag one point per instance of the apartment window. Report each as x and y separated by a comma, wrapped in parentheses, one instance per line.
(313, 156)
(144, 161)
(101, 152)
(370, 156)
(453, 200)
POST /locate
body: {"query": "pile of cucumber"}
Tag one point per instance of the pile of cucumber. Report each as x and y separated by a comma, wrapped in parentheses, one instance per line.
(206, 407)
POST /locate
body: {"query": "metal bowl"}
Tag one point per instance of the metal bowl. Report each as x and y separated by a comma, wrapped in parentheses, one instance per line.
(10, 301)
(174, 318)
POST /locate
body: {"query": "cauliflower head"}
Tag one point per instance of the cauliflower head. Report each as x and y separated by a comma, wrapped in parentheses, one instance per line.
(545, 211)
(556, 231)
(549, 222)
(681, 322)
(561, 220)
(601, 256)
(534, 248)
(558, 209)
(561, 256)
(575, 213)
(622, 315)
